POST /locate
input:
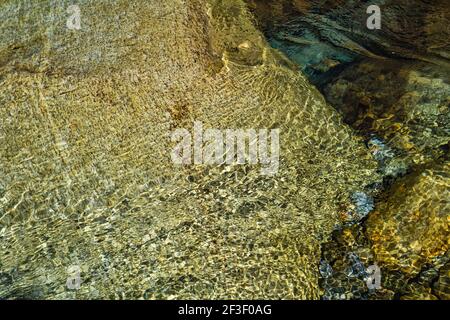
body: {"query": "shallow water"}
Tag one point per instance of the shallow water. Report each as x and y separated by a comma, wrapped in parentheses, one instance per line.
(89, 190)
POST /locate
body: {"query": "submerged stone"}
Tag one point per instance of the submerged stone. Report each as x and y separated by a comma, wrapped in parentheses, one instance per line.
(411, 228)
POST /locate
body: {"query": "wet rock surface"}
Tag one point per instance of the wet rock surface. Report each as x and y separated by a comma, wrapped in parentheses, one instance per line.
(412, 29)
(411, 227)
(406, 104)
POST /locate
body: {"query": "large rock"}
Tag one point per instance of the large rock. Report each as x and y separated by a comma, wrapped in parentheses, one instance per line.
(410, 229)
(413, 29)
(404, 103)
(87, 178)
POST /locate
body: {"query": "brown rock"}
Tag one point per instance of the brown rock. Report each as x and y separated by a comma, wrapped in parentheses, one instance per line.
(411, 227)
